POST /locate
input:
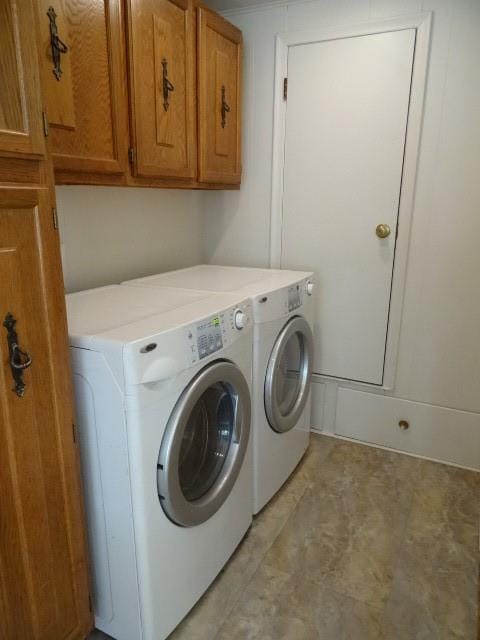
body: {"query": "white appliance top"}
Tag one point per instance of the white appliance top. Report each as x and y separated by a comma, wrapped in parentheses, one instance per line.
(215, 278)
(127, 314)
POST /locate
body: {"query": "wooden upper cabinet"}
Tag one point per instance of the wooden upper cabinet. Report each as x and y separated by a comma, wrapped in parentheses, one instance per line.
(162, 87)
(21, 130)
(82, 58)
(219, 99)
(140, 92)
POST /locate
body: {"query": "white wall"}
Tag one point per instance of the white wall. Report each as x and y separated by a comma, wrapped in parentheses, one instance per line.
(439, 354)
(110, 234)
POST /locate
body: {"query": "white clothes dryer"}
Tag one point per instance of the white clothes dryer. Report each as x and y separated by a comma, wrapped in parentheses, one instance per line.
(282, 360)
(162, 386)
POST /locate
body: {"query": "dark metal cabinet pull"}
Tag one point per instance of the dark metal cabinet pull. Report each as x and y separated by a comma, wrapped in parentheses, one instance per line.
(19, 360)
(167, 85)
(57, 45)
(225, 108)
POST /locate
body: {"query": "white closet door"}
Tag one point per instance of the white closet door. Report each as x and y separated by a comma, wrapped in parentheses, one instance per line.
(346, 121)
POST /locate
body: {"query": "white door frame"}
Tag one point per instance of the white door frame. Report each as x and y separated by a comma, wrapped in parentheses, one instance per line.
(421, 22)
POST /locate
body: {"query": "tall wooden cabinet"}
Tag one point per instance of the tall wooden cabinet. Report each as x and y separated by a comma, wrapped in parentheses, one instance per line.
(43, 564)
(142, 92)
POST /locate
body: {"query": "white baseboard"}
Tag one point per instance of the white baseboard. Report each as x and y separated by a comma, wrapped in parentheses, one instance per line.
(379, 446)
(435, 433)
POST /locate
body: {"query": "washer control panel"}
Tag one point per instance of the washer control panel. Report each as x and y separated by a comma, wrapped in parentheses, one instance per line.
(209, 336)
(294, 297)
(217, 332)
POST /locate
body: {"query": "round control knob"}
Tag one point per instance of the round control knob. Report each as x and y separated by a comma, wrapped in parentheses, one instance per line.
(240, 319)
(309, 288)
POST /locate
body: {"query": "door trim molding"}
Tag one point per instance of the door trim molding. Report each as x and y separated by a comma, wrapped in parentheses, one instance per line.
(421, 22)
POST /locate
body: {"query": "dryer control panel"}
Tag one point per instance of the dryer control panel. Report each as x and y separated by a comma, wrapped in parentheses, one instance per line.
(294, 298)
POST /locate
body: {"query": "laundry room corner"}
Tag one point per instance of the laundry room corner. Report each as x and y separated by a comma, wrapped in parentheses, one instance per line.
(109, 234)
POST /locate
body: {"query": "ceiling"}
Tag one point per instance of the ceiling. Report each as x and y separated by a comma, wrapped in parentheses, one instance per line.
(225, 5)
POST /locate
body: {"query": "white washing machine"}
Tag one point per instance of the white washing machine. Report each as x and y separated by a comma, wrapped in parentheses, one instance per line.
(282, 360)
(162, 387)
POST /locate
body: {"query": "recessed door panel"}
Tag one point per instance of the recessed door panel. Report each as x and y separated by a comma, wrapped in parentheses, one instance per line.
(346, 121)
(83, 80)
(20, 108)
(219, 69)
(163, 87)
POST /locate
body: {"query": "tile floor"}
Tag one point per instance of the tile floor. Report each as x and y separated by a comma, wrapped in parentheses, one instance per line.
(361, 544)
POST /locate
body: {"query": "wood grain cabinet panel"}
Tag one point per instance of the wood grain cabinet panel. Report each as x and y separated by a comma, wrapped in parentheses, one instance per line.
(85, 89)
(162, 87)
(44, 587)
(43, 576)
(21, 130)
(219, 98)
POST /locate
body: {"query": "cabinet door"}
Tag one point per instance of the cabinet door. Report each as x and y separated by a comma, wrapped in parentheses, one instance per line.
(43, 575)
(20, 107)
(85, 85)
(162, 76)
(219, 83)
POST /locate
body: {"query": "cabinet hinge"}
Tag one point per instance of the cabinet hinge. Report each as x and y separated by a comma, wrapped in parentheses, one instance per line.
(74, 432)
(90, 603)
(55, 217)
(45, 123)
(131, 155)
(285, 88)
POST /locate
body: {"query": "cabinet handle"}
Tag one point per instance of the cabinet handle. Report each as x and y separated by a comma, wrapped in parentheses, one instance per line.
(167, 85)
(57, 45)
(225, 108)
(19, 360)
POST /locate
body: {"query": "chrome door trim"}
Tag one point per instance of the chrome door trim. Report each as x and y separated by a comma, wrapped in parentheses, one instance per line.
(279, 422)
(176, 506)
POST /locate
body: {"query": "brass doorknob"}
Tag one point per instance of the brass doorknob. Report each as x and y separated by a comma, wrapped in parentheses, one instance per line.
(383, 230)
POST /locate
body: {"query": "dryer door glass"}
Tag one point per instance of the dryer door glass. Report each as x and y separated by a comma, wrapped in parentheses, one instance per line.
(289, 374)
(204, 444)
(289, 371)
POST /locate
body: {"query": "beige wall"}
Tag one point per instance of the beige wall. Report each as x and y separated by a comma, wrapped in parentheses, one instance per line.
(110, 234)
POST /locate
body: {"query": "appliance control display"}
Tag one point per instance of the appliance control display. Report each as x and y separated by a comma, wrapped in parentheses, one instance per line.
(209, 337)
(294, 297)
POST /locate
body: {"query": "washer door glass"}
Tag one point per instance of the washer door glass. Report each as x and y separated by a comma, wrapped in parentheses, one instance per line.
(206, 440)
(204, 444)
(288, 376)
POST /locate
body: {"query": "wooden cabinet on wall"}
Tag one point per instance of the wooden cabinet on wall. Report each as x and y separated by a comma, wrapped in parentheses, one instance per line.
(177, 75)
(219, 99)
(162, 88)
(84, 83)
(43, 563)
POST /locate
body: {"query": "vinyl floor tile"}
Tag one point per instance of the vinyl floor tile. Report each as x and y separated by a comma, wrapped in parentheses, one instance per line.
(359, 544)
